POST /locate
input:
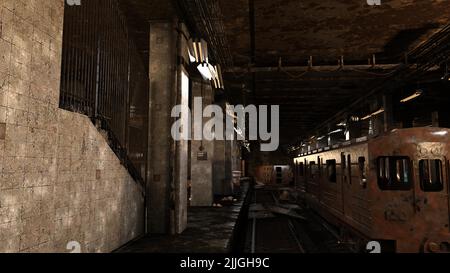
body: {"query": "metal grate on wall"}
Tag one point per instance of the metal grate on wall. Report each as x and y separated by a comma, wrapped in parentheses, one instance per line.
(103, 77)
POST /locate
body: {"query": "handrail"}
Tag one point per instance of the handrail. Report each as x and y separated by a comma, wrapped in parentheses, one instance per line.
(119, 150)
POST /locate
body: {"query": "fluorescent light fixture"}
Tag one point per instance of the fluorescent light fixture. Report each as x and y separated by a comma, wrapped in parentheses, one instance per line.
(198, 51)
(335, 131)
(206, 70)
(418, 93)
(342, 123)
(219, 77)
(440, 133)
(320, 138)
(239, 132)
(447, 75)
(373, 114)
(192, 58)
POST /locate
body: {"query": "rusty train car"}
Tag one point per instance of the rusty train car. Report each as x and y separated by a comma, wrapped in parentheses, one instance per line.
(393, 189)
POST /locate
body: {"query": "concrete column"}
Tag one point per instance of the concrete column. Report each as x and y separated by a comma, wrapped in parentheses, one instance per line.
(227, 185)
(219, 167)
(376, 125)
(167, 175)
(388, 113)
(162, 86)
(181, 171)
(202, 153)
(236, 162)
(236, 156)
(223, 172)
(435, 119)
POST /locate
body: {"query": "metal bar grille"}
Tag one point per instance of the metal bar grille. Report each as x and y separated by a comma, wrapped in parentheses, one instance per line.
(104, 78)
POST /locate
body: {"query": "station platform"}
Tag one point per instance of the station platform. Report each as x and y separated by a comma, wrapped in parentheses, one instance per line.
(210, 230)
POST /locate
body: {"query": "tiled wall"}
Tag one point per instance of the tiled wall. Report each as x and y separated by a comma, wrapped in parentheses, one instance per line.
(59, 180)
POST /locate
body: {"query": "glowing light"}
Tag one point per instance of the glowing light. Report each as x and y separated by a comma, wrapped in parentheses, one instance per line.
(418, 93)
(440, 133)
(335, 131)
(373, 114)
(206, 70)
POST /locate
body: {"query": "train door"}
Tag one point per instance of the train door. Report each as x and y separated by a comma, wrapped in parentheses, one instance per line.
(432, 193)
(346, 179)
(320, 181)
(357, 201)
(295, 174)
(306, 175)
(301, 176)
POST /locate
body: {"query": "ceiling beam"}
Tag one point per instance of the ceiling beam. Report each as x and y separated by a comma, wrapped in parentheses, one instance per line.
(324, 68)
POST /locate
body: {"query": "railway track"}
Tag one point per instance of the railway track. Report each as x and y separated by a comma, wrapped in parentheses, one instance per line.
(281, 233)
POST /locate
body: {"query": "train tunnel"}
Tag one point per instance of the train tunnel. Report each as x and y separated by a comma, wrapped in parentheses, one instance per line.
(233, 127)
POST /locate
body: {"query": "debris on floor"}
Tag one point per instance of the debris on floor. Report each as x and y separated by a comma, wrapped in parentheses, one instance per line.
(285, 211)
(258, 211)
(259, 185)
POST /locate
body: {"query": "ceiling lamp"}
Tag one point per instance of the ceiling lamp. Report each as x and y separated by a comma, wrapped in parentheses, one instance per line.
(335, 131)
(342, 123)
(218, 80)
(418, 93)
(446, 75)
(198, 54)
(207, 71)
(198, 51)
(373, 114)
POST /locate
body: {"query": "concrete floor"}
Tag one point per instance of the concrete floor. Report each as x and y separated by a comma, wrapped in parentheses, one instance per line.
(210, 230)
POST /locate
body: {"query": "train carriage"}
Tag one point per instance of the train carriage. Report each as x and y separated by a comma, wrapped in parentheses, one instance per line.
(393, 188)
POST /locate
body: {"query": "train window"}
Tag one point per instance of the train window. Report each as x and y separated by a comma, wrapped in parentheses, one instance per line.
(394, 173)
(349, 161)
(301, 170)
(331, 170)
(431, 176)
(362, 171)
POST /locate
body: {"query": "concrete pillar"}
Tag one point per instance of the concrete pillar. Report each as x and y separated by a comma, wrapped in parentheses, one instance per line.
(388, 113)
(202, 153)
(223, 172)
(376, 123)
(435, 119)
(236, 163)
(167, 172)
(219, 167)
(162, 80)
(227, 185)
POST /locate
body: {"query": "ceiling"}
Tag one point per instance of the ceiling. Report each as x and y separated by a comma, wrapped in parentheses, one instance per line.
(327, 29)
(267, 33)
(276, 38)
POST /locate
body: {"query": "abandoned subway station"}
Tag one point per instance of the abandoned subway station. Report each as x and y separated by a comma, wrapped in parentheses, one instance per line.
(224, 126)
